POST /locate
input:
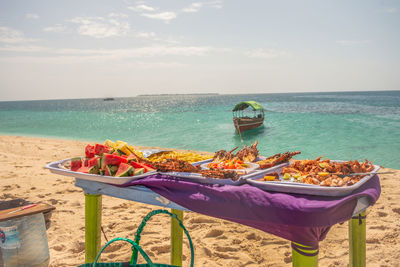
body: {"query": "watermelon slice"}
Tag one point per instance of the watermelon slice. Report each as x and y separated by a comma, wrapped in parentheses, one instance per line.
(85, 162)
(110, 170)
(92, 169)
(124, 170)
(89, 151)
(94, 162)
(133, 157)
(139, 171)
(101, 149)
(76, 163)
(111, 159)
(141, 165)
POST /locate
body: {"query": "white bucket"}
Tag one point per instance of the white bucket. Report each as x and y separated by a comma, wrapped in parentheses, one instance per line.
(23, 242)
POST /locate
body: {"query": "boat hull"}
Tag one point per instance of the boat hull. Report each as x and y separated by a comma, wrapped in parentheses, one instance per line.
(245, 124)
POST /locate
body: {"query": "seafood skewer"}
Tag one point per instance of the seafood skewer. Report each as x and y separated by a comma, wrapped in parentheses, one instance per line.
(248, 154)
(276, 159)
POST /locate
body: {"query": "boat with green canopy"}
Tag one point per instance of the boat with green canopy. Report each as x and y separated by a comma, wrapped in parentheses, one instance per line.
(247, 115)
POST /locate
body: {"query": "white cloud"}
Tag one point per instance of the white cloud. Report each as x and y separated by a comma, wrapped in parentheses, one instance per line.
(193, 8)
(31, 16)
(165, 16)
(55, 28)
(23, 48)
(145, 34)
(141, 52)
(391, 10)
(142, 8)
(99, 27)
(11, 36)
(118, 15)
(216, 4)
(352, 42)
(266, 53)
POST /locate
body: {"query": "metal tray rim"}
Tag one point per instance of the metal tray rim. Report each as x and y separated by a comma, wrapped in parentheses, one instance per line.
(55, 167)
(299, 188)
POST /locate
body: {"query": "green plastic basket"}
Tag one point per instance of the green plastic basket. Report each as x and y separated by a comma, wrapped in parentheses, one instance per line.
(136, 248)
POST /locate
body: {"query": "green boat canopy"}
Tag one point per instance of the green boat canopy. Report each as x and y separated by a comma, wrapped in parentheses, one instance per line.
(243, 105)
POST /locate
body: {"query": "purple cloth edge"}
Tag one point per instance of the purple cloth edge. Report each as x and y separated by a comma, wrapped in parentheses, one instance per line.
(300, 218)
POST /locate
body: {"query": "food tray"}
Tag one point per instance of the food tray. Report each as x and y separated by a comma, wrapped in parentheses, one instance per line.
(198, 178)
(306, 189)
(262, 172)
(58, 168)
(195, 177)
(245, 171)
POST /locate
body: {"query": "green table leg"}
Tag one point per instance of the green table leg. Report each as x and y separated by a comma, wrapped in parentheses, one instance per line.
(176, 238)
(357, 233)
(92, 226)
(304, 256)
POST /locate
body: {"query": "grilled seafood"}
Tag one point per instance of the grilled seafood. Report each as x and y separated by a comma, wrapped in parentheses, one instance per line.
(276, 159)
(175, 165)
(222, 155)
(248, 154)
(326, 172)
(221, 174)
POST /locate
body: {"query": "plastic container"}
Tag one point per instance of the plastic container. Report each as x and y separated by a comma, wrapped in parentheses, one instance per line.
(23, 242)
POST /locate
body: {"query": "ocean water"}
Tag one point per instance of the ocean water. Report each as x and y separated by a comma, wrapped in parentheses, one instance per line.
(345, 125)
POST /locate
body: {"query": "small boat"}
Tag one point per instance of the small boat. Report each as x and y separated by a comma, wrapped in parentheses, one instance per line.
(108, 99)
(242, 117)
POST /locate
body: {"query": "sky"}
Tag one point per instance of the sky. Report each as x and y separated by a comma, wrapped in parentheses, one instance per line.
(121, 48)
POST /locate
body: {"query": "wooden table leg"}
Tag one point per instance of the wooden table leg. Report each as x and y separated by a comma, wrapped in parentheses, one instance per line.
(176, 238)
(357, 235)
(93, 209)
(304, 256)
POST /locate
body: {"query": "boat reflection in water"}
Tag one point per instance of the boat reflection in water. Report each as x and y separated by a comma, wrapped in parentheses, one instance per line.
(243, 120)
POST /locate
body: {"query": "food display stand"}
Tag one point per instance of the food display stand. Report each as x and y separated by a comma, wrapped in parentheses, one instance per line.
(304, 220)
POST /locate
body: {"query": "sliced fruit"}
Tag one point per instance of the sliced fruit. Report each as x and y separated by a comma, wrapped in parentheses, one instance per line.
(141, 165)
(101, 149)
(94, 162)
(76, 163)
(110, 143)
(92, 169)
(111, 159)
(124, 170)
(269, 178)
(89, 151)
(139, 171)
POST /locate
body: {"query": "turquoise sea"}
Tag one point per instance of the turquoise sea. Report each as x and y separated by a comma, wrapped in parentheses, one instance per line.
(345, 125)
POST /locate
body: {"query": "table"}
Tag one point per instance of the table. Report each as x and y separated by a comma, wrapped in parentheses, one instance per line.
(302, 255)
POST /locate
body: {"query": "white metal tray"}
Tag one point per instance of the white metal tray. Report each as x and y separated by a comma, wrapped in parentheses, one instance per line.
(57, 168)
(306, 189)
(195, 177)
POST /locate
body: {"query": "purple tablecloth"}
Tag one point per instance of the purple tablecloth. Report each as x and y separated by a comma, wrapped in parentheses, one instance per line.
(300, 218)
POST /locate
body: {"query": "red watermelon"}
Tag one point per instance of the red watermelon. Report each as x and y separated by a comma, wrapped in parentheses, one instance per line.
(124, 170)
(111, 159)
(101, 149)
(76, 163)
(89, 151)
(141, 165)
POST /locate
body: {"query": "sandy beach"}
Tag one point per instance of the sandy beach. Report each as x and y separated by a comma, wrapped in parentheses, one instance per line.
(217, 242)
